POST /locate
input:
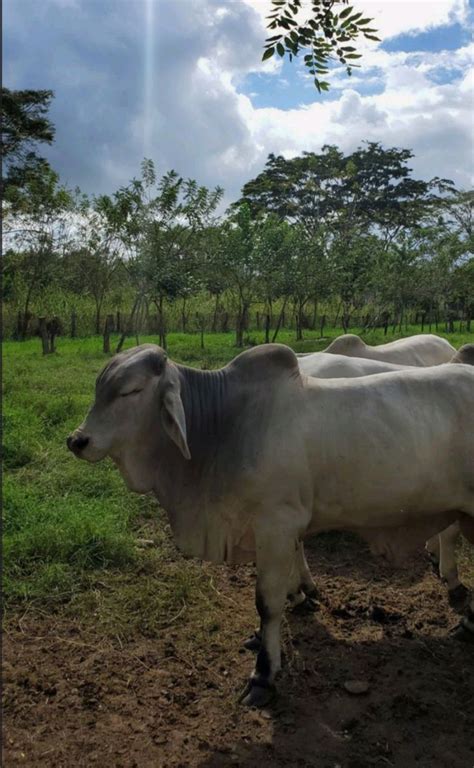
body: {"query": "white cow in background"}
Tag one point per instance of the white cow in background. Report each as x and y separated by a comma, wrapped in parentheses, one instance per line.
(420, 350)
(442, 547)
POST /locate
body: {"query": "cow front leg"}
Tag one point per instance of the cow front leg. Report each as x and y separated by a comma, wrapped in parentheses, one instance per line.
(275, 558)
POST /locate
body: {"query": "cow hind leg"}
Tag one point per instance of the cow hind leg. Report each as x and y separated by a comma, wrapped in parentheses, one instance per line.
(432, 547)
(459, 595)
(307, 596)
(465, 631)
(275, 559)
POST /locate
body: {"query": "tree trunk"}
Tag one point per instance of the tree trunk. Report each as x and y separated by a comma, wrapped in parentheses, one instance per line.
(323, 321)
(98, 307)
(400, 320)
(239, 330)
(108, 327)
(118, 321)
(44, 335)
(184, 318)
(18, 329)
(73, 324)
(280, 321)
(26, 315)
(201, 320)
(161, 323)
(345, 320)
(241, 323)
(315, 315)
(267, 328)
(129, 325)
(299, 322)
(214, 317)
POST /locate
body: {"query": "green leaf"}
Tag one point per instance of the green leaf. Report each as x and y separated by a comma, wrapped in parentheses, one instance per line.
(268, 53)
(280, 49)
(346, 12)
(353, 56)
(372, 37)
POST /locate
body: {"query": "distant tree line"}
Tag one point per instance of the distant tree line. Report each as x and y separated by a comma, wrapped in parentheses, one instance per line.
(322, 237)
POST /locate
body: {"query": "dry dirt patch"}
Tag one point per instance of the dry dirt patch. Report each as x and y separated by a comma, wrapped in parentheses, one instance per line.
(74, 697)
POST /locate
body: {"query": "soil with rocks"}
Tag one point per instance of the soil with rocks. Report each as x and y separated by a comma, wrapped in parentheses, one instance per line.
(372, 678)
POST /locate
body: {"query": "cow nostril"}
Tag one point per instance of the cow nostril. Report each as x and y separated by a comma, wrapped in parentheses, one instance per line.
(77, 443)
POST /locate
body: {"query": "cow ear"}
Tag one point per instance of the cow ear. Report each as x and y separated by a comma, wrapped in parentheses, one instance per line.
(174, 421)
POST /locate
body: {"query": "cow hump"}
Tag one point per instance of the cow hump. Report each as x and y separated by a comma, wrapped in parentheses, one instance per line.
(344, 344)
(266, 361)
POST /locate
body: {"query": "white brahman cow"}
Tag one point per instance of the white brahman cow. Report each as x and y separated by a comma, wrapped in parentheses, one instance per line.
(420, 350)
(250, 459)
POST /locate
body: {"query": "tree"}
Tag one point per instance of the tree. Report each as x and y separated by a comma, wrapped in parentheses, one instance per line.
(94, 265)
(37, 228)
(324, 35)
(24, 124)
(238, 259)
(158, 220)
(369, 188)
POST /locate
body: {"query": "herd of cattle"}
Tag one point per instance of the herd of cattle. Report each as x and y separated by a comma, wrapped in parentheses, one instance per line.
(249, 459)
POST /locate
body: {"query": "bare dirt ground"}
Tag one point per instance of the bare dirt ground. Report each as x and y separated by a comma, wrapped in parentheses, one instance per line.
(74, 698)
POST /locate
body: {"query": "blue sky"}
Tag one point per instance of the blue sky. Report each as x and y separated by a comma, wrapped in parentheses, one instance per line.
(182, 81)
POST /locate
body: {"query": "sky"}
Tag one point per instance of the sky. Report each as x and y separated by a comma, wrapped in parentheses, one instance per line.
(182, 82)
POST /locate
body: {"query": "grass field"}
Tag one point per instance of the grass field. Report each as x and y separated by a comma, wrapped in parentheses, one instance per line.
(70, 528)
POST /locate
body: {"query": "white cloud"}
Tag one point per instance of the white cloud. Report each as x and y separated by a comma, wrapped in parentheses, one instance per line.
(201, 123)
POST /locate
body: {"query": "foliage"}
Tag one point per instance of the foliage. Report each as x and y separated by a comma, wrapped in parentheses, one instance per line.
(324, 35)
(37, 227)
(24, 124)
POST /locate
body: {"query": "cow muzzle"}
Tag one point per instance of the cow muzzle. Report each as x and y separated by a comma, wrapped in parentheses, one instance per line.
(76, 442)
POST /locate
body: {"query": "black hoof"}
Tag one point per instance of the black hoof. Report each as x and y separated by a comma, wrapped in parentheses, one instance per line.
(257, 695)
(463, 634)
(308, 605)
(254, 643)
(459, 598)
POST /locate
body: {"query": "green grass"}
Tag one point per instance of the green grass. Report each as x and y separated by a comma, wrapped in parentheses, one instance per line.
(70, 528)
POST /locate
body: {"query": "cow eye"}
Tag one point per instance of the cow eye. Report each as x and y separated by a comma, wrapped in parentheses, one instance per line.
(132, 392)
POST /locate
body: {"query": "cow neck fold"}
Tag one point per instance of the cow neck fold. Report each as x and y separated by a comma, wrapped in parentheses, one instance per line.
(205, 398)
